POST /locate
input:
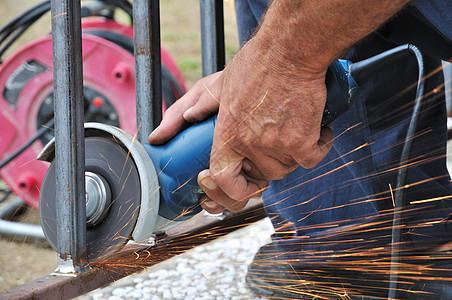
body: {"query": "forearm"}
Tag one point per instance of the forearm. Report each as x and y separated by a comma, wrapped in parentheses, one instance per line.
(310, 34)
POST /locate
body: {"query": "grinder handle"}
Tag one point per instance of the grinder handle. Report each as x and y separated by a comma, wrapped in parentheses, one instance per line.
(180, 160)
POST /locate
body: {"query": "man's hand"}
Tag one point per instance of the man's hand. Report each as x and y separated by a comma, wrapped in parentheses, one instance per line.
(268, 124)
(270, 98)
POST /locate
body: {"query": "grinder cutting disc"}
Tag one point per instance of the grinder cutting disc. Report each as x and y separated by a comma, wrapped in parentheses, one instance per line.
(119, 203)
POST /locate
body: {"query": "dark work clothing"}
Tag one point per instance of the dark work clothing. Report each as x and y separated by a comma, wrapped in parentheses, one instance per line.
(412, 26)
(438, 13)
(342, 209)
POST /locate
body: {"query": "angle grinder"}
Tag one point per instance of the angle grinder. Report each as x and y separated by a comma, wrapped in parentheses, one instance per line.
(134, 191)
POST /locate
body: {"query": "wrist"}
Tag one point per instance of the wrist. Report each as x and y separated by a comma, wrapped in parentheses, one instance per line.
(274, 58)
(291, 33)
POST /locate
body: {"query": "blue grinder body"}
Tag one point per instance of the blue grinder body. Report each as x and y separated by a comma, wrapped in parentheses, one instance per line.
(179, 161)
(178, 164)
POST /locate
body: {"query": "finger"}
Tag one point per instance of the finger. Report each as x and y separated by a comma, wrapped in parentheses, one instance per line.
(173, 121)
(211, 206)
(251, 170)
(225, 170)
(216, 195)
(208, 102)
(326, 137)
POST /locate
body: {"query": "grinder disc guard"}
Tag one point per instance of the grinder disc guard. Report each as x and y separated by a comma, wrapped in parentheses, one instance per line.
(107, 159)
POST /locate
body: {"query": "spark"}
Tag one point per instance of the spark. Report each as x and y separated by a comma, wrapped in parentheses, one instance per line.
(216, 99)
(59, 15)
(431, 199)
(313, 179)
(182, 185)
(108, 164)
(392, 196)
(27, 162)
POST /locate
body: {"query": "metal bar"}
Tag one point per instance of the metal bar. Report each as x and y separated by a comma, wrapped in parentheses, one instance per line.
(69, 135)
(212, 36)
(61, 287)
(148, 79)
(135, 257)
(15, 228)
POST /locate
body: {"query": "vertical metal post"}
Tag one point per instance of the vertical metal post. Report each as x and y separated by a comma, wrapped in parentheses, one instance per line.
(69, 135)
(212, 36)
(148, 79)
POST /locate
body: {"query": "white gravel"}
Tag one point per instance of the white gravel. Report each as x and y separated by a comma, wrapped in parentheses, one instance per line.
(212, 271)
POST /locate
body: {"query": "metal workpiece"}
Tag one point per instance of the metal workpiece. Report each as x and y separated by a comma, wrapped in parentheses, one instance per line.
(134, 258)
(212, 36)
(69, 135)
(148, 79)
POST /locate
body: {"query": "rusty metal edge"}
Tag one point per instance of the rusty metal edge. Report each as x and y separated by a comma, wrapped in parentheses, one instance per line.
(135, 257)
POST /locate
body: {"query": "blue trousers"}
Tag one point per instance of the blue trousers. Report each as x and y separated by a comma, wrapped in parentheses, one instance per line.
(343, 208)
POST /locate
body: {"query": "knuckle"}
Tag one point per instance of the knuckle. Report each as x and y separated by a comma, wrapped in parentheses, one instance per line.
(198, 87)
(310, 163)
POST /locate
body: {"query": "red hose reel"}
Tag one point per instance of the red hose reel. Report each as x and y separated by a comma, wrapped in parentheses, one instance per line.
(26, 96)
